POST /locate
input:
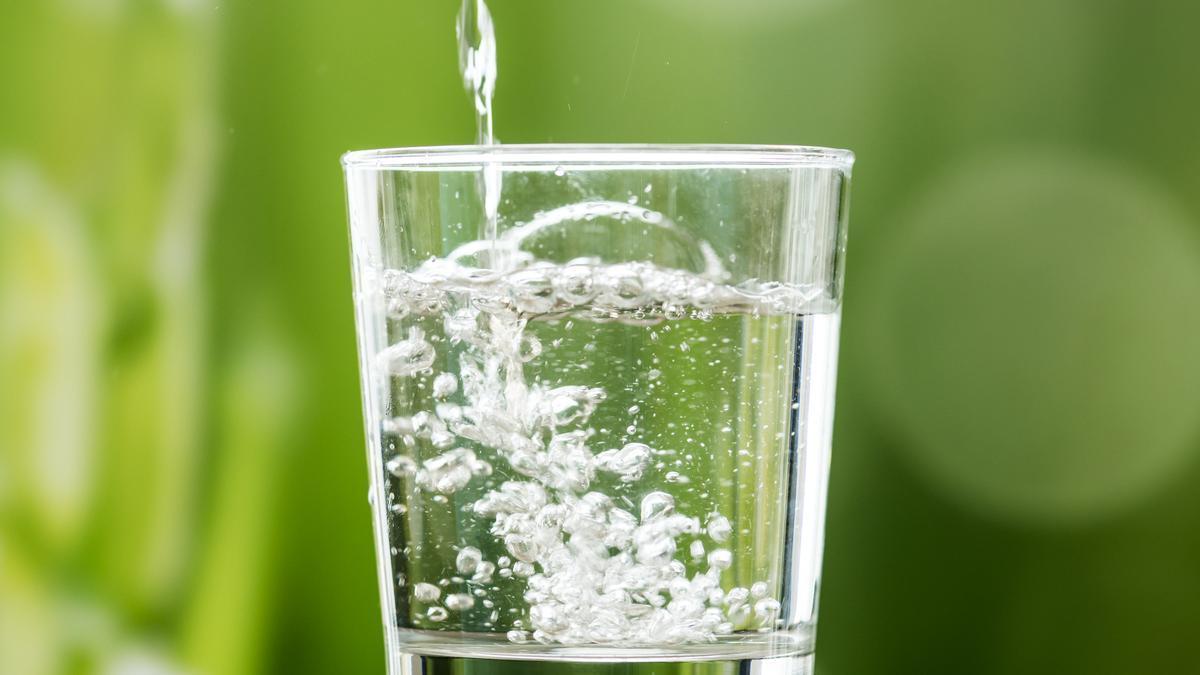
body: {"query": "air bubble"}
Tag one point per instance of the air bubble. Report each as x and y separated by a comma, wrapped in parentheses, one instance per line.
(657, 505)
(766, 609)
(629, 462)
(622, 287)
(458, 602)
(571, 404)
(398, 308)
(720, 559)
(441, 439)
(462, 324)
(529, 348)
(409, 356)
(444, 385)
(426, 592)
(483, 572)
(448, 412)
(737, 596)
(398, 426)
(451, 471)
(532, 292)
(575, 284)
(468, 559)
(719, 528)
(401, 466)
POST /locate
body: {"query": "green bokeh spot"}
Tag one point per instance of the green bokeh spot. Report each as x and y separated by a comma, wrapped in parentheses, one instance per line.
(1035, 335)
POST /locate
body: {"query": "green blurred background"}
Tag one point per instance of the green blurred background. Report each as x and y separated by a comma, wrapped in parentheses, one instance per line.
(1015, 488)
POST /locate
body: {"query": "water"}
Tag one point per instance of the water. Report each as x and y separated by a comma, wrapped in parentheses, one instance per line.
(586, 459)
(477, 65)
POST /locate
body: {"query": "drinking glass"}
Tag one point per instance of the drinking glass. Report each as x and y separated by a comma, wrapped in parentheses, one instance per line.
(598, 388)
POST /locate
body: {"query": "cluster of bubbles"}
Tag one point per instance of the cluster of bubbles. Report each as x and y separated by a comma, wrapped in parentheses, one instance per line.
(631, 291)
(595, 573)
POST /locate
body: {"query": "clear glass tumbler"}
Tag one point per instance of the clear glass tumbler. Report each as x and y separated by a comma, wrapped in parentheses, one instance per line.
(598, 387)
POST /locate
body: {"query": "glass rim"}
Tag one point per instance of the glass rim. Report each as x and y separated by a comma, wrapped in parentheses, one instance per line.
(603, 154)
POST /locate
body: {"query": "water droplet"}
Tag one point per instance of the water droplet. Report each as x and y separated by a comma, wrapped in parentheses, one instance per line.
(437, 614)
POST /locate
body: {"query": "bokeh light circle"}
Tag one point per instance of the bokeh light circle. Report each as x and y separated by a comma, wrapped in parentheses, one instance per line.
(1035, 330)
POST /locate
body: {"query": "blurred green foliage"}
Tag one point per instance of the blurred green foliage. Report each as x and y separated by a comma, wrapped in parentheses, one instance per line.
(182, 485)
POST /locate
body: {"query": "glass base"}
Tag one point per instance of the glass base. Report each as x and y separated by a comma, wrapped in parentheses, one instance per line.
(413, 664)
